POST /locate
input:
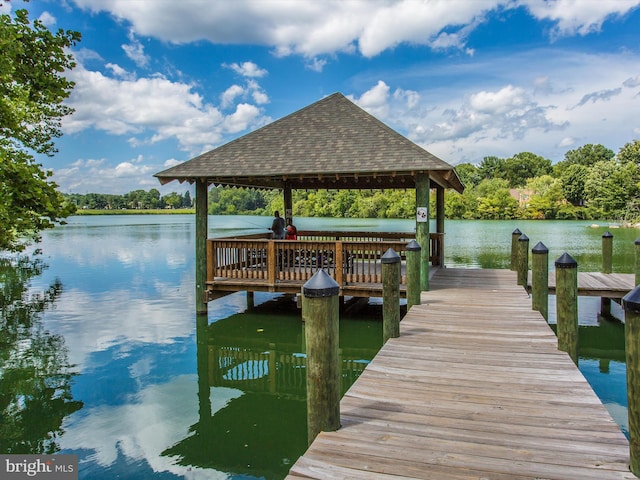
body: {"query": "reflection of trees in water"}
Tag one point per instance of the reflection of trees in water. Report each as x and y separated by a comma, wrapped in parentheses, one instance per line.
(35, 376)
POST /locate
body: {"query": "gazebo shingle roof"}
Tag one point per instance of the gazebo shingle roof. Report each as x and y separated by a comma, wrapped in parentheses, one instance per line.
(332, 143)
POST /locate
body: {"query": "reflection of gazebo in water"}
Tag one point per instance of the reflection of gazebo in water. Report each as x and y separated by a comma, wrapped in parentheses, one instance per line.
(331, 144)
(261, 430)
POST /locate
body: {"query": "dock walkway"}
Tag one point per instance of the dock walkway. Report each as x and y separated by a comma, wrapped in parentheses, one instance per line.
(596, 284)
(474, 388)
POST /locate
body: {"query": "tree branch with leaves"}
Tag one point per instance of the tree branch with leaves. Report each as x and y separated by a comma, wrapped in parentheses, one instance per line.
(33, 61)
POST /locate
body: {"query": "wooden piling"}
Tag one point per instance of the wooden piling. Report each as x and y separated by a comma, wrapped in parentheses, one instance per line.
(607, 252)
(423, 187)
(514, 248)
(540, 279)
(567, 305)
(637, 250)
(522, 260)
(607, 263)
(631, 305)
(390, 295)
(413, 274)
(201, 245)
(321, 315)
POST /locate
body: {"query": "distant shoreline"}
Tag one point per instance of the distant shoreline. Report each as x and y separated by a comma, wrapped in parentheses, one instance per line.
(150, 211)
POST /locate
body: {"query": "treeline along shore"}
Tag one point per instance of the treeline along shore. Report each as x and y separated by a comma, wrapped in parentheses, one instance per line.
(592, 182)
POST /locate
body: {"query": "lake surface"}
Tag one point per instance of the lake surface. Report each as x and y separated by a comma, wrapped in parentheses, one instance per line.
(102, 355)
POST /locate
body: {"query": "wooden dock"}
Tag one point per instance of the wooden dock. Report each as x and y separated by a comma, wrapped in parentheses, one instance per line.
(596, 284)
(474, 388)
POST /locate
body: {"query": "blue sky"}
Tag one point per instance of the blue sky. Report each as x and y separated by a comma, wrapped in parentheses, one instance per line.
(161, 81)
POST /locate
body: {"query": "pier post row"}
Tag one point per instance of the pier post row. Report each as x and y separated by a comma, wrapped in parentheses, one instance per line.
(637, 258)
(390, 295)
(567, 304)
(413, 274)
(515, 235)
(322, 310)
(631, 305)
(523, 260)
(607, 252)
(540, 279)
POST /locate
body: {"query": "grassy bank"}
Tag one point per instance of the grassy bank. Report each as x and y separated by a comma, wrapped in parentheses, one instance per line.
(151, 211)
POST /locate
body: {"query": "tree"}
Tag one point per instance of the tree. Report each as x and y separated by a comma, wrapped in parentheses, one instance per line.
(492, 167)
(494, 200)
(610, 186)
(546, 197)
(630, 152)
(587, 155)
(523, 166)
(469, 174)
(32, 91)
(573, 179)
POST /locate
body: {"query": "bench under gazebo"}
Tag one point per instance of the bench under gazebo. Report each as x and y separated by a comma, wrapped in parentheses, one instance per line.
(331, 144)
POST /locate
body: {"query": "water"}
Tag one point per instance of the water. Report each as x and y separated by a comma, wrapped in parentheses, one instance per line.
(102, 355)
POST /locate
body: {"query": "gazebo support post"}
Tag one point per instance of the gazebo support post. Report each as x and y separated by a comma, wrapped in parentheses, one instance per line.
(201, 245)
(422, 226)
(288, 204)
(439, 209)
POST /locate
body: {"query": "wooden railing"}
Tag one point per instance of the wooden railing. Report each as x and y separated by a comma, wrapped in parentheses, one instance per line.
(348, 257)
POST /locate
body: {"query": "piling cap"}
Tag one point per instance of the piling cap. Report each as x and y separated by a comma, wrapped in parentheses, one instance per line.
(523, 238)
(631, 301)
(414, 246)
(516, 232)
(540, 248)
(320, 285)
(566, 261)
(607, 234)
(390, 256)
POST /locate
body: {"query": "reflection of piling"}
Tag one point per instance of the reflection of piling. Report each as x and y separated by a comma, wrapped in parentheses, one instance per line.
(390, 295)
(540, 279)
(567, 305)
(202, 361)
(514, 248)
(637, 245)
(413, 273)
(607, 265)
(522, 260)
(321, 315)
(631, 305)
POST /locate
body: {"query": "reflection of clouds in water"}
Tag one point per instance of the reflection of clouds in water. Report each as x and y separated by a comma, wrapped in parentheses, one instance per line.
(159, 417)
(619, 414)
(127, 246)
(97, 322)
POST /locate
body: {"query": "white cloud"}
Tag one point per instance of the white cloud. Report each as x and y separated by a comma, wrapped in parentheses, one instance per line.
(48, 19)
(375, 100)
(153, 109)
(568, 100)
(228, 97)
(578, 17)
(498, 102)
(316, 28)
(135, 51)
(247, 69)
(632, 82)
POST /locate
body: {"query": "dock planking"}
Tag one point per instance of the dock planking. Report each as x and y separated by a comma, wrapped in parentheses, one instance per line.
(596, 284)
(474, 387)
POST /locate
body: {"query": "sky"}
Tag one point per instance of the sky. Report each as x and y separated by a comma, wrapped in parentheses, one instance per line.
(160, 81)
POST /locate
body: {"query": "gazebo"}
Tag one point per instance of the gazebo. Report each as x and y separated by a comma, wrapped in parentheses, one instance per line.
(330, 144)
